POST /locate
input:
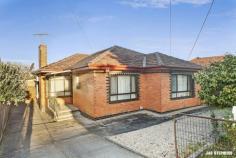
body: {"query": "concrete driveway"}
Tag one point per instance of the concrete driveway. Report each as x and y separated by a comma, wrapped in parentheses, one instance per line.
(31, 134)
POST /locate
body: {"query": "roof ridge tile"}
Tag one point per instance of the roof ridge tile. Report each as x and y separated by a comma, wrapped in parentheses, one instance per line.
(159, 60)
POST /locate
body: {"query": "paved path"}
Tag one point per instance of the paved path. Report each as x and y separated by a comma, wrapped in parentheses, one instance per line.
(31, 134)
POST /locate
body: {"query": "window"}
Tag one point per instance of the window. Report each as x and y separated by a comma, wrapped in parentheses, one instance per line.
(123, 87)
(59, 86)
(182, 85)
(77, 82)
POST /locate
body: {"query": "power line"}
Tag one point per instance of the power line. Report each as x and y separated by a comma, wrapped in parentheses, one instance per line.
(77, 21)
(199, 33)
(170, 31)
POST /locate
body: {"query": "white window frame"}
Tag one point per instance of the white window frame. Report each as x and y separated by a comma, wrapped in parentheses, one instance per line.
(124, 93)
(52, 92)
(186, 91)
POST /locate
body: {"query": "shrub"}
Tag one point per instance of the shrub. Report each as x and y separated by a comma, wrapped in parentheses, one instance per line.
(12, 83)
(218, 83)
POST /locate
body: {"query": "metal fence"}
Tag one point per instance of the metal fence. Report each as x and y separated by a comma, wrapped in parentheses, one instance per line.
(204, 137)
(4, 115)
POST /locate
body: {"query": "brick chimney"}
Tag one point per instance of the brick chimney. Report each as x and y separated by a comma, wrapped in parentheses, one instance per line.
(41, 78)
(43, 61)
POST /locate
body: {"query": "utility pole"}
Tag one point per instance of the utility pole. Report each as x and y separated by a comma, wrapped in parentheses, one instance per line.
(170, 29)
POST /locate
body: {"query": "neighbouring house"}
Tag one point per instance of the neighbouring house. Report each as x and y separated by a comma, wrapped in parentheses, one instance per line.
(207, 61)
(118, 80)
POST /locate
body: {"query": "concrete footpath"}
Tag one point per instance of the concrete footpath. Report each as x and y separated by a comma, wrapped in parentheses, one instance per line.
(31, 134)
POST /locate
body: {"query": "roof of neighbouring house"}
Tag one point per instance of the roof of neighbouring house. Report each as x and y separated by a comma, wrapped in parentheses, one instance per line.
(206, 61)
(131, 58)
(63, 64)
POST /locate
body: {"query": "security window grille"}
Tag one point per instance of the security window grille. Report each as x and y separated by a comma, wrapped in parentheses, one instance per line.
(123, 88)
(182, 86)
(59, 86)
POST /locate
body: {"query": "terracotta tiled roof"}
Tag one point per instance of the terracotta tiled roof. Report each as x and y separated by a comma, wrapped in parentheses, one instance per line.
(206, 61)
(64, 63)
(131, 58)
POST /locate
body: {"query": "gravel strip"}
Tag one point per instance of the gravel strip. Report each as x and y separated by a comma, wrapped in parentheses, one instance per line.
(154, 142)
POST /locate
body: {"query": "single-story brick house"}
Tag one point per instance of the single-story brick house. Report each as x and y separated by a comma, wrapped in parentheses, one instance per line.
(118, 80)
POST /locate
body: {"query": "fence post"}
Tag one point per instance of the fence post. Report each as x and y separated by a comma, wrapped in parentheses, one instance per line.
(1, 121)
(4, 116)
(175, 138)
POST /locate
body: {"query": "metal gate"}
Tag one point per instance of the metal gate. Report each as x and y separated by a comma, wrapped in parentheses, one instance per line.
(204, 137)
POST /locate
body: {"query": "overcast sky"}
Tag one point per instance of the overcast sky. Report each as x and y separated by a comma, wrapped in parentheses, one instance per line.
(87, 26)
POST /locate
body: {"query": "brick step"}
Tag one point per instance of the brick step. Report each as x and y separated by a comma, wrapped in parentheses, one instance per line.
(65, 112)
(72, 107)
(64, 117)
(67, 108)
(61, 114)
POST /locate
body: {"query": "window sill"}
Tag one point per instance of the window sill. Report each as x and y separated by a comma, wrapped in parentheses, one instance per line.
(179, 98)
(122, 101)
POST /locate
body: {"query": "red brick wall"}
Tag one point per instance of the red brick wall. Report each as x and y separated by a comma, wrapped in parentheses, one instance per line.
(151, 84)
(167, 104)
(103, 108)
(154, 95)
(83, 97)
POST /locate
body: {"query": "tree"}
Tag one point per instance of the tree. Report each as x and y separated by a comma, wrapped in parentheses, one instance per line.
(12, 83)
(218, 83)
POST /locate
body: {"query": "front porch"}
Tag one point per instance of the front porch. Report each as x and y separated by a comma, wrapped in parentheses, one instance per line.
(60, 111)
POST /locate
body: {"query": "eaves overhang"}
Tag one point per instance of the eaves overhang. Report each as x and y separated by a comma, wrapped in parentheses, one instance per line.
(147, 69)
